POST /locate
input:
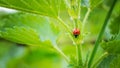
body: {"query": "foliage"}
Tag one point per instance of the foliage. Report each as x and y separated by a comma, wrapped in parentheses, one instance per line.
(115, 26)
(39, 29)
(33, 34)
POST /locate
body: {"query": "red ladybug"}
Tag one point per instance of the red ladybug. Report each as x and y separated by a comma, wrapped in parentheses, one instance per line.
(76, 32)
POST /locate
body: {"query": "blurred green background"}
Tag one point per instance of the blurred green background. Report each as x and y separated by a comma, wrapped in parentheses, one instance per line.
(14, 55)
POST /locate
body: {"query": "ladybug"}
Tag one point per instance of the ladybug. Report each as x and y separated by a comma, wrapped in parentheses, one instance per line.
(76, 32)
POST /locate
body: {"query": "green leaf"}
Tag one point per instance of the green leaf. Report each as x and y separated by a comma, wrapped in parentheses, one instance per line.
(116, 62)
(112, 47)
(115, 25)
(111, 61)
(105, 63)
(21, 35)
(28, 29)
(49, 8)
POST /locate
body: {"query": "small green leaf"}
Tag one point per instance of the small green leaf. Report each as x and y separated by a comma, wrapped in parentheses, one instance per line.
(112, 47)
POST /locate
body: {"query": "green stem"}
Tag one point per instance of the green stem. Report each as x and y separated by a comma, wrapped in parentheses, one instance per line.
(101, 34)
(85, 18)
(86, 60)
(63, 23)
(67, 28)
(61, 53)
(75, 41)
(71, 37)
(99, 60)
(78, 50)
(66, 3)
(78, 43)
(76, 23)
(79, 4)
(78, 10)
(79, 53)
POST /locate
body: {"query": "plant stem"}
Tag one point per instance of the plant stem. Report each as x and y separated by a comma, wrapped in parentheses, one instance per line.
(78, 12)
(75, 41)
(101, 34)
(99, 60)
(71, 37)
(61, 53)
(85, 18)
(63, 23)
(67, 28)
(78, 43)
(78, 50)
(79, 55)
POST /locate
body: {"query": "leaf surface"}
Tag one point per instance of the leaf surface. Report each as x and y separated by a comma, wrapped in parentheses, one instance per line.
(49, 8)
(28, 29)
(112, 47)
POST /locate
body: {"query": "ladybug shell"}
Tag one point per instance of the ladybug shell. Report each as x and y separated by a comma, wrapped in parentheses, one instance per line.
(76, 32)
